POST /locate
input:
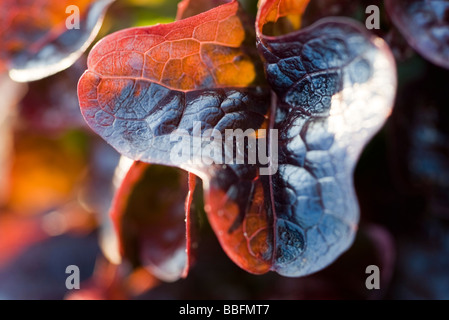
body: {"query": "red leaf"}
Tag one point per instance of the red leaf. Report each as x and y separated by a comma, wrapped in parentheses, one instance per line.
(148, 211)
(199, 52)
(136, 91)
(189, 226)
(286, 12)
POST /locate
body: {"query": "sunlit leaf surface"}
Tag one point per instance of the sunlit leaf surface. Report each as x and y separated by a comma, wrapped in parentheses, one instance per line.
(171, 76)
(323, 77)
(332, 87)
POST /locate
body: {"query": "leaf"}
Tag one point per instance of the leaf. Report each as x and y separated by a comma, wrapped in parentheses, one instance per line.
(135, 94)
(96, 193)
(35, 41)
(333, 87)
(331, 76)
(425, 26)
(151, 219)
(280, 16)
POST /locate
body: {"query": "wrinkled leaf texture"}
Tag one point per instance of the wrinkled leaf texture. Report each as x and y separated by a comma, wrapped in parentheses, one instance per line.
(331, 87)
(170, 259)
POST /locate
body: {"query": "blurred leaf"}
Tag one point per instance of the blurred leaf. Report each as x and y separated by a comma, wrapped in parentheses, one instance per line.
(97, 192)
(35, 41)
(425, 25)
(151, 214)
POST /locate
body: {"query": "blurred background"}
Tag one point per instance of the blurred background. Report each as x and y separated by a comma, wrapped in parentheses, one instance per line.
(57, 185)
